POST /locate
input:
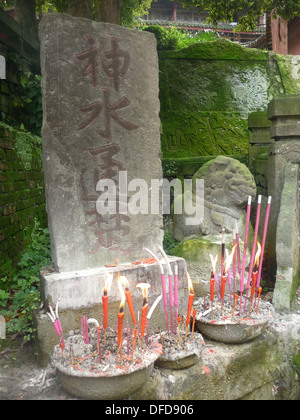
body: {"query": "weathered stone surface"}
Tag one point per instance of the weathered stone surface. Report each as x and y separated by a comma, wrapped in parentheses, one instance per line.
(227, 185)
(287, 245)
(100, 100)
(260, 370)
(284, 113)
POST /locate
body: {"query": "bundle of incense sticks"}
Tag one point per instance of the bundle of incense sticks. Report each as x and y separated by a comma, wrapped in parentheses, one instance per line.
(257, 277)
(54, 317)
(239, 264)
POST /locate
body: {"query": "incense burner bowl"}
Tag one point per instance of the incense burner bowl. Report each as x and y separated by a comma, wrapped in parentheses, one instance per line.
(99, 387)
(114, 378)
(234, 330)
(180, 356)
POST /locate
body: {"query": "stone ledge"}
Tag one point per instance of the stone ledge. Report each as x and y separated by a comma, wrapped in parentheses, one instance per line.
(260, 370)
(84, 288)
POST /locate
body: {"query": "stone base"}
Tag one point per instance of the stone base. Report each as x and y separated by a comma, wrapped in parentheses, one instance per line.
(259, 370)
(81, 294)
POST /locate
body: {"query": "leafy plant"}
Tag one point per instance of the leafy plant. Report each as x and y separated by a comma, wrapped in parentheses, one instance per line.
(174, 38)
(169, 241)
(23, 296)
(31, 84)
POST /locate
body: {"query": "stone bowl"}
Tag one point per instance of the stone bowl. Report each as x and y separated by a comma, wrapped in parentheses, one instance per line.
(236, 331)
(118, 384)
(176, 357)
(98, 387)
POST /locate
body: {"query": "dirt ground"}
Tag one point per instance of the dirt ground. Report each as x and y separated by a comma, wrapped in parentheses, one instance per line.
(21, 378)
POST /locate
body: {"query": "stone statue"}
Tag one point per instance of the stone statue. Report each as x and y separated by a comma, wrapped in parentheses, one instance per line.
(227, 185)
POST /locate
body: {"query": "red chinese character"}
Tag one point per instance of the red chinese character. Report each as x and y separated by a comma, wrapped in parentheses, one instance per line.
(91, 66)
(119, 63)
(110, 111)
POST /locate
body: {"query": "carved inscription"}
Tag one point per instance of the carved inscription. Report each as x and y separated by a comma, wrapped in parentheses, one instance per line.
(102, 112)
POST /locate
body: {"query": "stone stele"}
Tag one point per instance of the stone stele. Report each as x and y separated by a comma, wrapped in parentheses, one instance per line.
(101, 122)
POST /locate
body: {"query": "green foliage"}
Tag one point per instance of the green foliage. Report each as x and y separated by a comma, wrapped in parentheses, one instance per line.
(28, 145)
(173, 38)
(31, 84)
(226, 10)
(20, 296)
(169, 242)
(131, 10)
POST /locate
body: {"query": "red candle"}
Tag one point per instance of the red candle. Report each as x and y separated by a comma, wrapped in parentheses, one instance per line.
(120, 324)
(105, 299)
(144, 287)
(121, 313)
(190, 303)
(125, 283)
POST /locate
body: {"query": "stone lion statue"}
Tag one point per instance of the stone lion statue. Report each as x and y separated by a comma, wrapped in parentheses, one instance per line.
(227, 185)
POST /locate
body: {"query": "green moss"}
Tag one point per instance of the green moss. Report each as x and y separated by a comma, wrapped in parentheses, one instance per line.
(289, 67)
(193, 134)
(296, 363)
(216, 50)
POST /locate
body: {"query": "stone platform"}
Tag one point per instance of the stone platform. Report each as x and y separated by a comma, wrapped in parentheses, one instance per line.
(80, 293)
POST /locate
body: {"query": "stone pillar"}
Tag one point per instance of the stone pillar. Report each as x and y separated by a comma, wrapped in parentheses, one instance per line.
(259, 142)
(284, 114)
(287, 240)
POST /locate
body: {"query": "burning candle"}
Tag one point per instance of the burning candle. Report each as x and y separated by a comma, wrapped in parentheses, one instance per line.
(253, 248)
(214, 265)
(121, 314)
(228, 263)
(190, 303)
(163, 283)
(254, 274)
(105, 299)
(144, 287)
(125, 283)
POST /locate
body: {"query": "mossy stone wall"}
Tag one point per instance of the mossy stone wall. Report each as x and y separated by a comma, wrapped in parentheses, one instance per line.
(207, 92)
(22, 197)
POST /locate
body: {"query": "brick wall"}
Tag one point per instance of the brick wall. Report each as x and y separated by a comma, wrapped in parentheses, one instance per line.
(22, 197)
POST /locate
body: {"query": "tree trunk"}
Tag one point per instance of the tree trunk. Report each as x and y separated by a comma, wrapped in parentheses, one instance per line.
(25, 16)
(81, 8)
(108, 11)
